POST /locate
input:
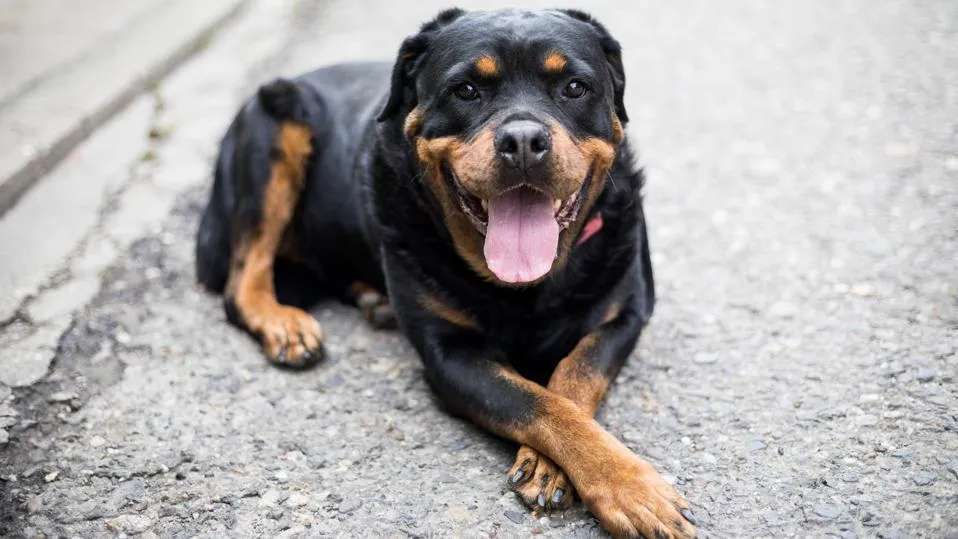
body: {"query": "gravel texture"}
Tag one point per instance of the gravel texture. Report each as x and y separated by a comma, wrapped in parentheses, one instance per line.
(798, 378)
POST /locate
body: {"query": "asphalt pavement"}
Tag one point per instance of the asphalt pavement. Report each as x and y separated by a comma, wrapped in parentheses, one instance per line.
(798, 378)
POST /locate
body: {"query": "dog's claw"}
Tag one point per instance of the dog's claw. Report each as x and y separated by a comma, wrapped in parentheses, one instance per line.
(515, 479)
(557, 496)
(687, 513)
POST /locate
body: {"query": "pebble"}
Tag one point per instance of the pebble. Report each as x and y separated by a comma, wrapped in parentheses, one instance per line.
(130, 524)
(34, 504)
(863, 290)
(945, 350)
(459, 514)
(939, 400)
(297, 500)
(293, 531)
(755, 444)
(827, 511)
(924, 478)
(62, 396)
(953, 468)
(704, 358)
(905, 453)
(925, 375)
(270, 497)
(447, 478)
(4, 437)
(304, 519)
(97, 441)
(282, 477)
(459, 445)
(51, 477)
(515, 516)
(350, 504)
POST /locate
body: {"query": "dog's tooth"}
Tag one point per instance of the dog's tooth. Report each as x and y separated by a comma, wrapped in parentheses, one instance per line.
(557, 204)
(485, 205)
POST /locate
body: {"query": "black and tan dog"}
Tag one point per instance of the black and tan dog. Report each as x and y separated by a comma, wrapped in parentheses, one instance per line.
(486, 184)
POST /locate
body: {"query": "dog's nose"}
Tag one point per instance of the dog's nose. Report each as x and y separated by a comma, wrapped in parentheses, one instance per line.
(523, 144)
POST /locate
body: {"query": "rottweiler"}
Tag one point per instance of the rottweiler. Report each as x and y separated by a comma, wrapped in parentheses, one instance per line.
(480, 193)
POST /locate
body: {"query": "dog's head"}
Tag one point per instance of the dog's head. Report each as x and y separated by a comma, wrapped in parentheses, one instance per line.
(515, 117)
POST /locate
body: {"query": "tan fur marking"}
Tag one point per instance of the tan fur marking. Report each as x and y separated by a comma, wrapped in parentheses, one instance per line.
(360, 288)
(413, 123)
(281, 328)
(474, 165)
(446, 312)
(373, 304)
(573, 161)
(487, 66)
(576, 379)
(612, 312)
(555, 62)
(617, 132)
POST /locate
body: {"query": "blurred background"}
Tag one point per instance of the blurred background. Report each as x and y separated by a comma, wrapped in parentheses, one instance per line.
(798, 378)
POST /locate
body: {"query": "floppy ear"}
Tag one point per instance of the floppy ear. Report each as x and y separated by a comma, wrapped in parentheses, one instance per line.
(402, 89)
(613, 56)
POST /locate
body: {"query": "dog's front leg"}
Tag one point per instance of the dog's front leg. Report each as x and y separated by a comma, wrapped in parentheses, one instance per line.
(627, 495)
(583, 377)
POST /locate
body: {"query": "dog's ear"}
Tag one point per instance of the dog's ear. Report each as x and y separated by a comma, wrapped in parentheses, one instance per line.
(613, 56)
(402, 89)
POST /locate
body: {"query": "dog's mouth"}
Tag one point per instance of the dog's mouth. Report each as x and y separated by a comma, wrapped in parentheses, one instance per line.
(521, 227)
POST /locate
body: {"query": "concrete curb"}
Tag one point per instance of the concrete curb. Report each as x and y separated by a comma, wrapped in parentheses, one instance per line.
(44, 125)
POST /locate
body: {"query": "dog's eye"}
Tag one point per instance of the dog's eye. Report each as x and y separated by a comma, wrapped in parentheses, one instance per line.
(574, 90)
(466, 92)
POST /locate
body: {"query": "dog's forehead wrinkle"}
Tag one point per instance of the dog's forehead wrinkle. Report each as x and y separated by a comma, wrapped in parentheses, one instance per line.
(516, 30)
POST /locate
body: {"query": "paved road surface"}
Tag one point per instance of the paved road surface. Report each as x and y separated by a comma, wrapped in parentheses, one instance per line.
(799, 377)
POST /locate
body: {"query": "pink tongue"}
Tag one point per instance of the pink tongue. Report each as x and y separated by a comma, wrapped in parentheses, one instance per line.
(522, 236)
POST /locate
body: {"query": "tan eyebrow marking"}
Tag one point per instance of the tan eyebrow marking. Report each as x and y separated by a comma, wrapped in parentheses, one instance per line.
(487, 66)
(555, 62)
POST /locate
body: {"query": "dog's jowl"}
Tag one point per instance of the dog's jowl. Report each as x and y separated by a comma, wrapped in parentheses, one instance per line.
(480, 193)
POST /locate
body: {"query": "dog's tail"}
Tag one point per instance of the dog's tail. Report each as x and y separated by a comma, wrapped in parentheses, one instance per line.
(281, 99)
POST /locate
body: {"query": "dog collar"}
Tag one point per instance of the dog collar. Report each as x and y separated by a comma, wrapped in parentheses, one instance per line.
(591, 229)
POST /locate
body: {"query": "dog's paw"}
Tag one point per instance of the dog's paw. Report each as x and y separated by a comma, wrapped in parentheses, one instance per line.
(376, 309)
(290, 336)
(540, 484)
(631, 499)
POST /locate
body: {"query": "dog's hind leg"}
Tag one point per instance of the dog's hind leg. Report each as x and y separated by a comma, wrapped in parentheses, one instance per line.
(290, 336)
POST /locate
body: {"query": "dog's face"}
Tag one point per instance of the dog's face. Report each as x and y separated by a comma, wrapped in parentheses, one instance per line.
(515, 117)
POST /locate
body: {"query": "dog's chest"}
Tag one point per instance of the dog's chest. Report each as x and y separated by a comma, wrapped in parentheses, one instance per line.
(533, 340)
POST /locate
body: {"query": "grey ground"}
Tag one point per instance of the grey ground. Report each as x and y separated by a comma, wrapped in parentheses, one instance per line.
(798, 379)
(67, 69)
